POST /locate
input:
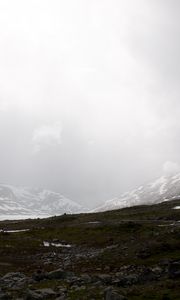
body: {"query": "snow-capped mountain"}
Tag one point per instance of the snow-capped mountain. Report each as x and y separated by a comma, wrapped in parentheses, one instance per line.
(16, 201)
(163, 189)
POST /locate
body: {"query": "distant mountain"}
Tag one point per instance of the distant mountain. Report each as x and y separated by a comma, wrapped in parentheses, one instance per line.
(162, 189)
(25, 202)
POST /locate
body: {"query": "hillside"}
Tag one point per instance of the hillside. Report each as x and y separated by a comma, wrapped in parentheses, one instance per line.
(162, 189)
(131, 253)
(22, 202)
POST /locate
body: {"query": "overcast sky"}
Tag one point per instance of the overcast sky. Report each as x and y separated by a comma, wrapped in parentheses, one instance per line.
(89, 94)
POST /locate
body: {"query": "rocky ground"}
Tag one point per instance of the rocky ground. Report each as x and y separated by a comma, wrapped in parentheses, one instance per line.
(132, 253)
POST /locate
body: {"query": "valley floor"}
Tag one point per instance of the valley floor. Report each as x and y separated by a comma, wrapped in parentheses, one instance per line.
(132, 253)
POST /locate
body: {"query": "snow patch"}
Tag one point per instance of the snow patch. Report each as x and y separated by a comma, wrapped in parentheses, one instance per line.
(48, 244)
(14, 231)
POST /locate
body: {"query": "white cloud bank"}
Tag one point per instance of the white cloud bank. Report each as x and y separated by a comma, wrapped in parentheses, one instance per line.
(170, 168)
(107, 70)
(46, 136)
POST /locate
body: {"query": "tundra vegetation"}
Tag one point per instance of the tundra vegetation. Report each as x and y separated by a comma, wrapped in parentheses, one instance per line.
(131, 253)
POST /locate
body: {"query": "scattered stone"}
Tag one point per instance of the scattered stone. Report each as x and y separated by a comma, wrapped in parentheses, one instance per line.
(86, 278)
(59, 274)
(174, 269)
(113, 295)
(14, 280)
(147, 275)
(105, 278)
(39, 275)
(157, 270)
(127, 280)
(4, 296)
(40, 294)
(79, 288)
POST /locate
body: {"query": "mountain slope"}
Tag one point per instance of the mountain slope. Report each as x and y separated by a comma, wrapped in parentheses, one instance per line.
(34, 202)
(164, 188)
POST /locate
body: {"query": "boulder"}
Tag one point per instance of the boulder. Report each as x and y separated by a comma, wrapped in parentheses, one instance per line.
(59, 274)
(113, 295)
(40, 294)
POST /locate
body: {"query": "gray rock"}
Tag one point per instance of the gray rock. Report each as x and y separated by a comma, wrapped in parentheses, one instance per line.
(32, 295)
(126, 280)
(62, 289)
(86, 278)
(157, 270)
(14, 279)
(40, 294)
(13, 276)
(113, 295)
(105, 278)
(59, 274)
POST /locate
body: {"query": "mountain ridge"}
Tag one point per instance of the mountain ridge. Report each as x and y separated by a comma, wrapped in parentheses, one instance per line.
(25, 202)
(34, 202)
(162, 189)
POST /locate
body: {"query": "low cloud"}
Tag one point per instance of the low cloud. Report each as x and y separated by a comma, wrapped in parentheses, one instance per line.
(3, 106)
(170, 168)
(45, 136)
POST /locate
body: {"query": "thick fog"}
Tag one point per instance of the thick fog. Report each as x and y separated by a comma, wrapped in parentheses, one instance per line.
(89, 94)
